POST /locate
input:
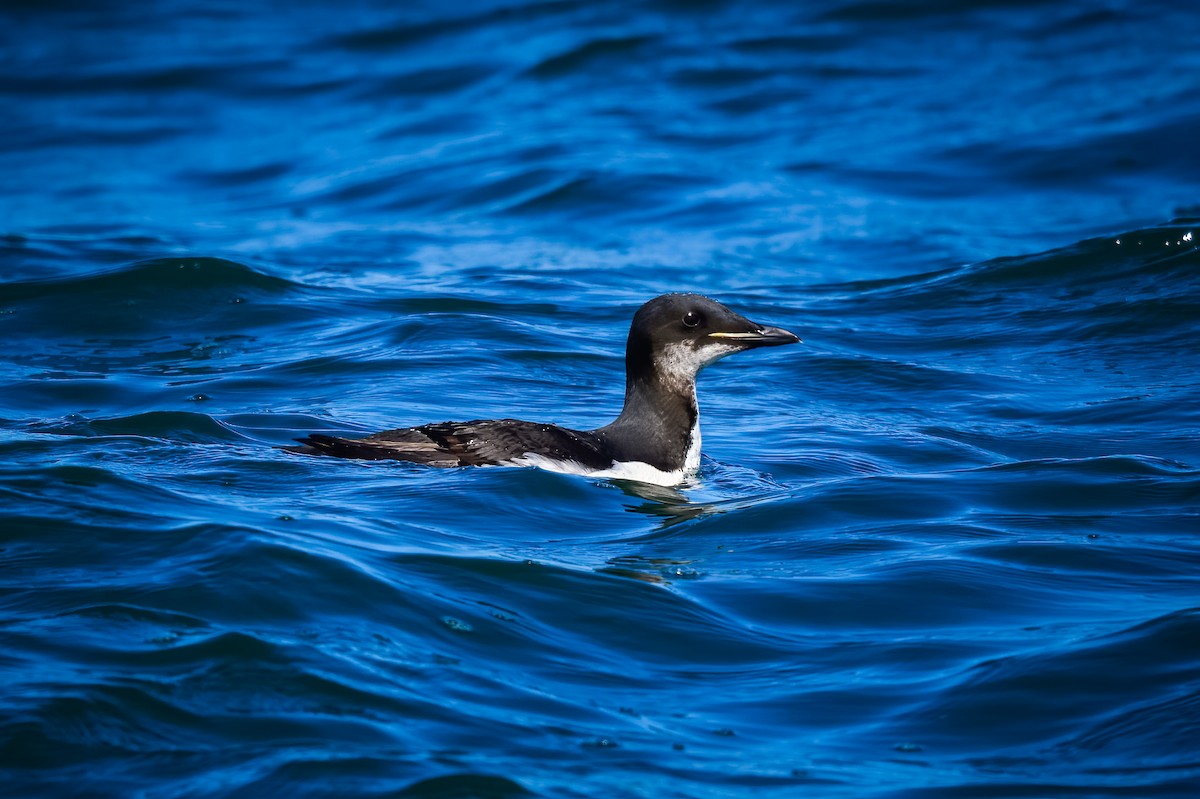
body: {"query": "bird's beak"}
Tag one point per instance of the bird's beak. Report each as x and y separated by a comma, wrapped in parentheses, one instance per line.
(759, 337)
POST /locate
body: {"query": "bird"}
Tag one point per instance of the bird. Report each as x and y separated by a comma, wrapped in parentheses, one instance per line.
(656, 437)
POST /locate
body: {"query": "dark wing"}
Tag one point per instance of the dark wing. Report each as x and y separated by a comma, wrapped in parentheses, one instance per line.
(478, 443)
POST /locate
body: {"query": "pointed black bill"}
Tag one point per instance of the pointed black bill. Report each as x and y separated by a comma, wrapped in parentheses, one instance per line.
(760, 337)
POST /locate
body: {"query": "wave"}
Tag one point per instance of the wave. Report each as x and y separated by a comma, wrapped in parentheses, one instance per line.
(1115, 313)
(148, 279)
(1062, 686)
(178, 426)
(1160, 259)
(592, 54)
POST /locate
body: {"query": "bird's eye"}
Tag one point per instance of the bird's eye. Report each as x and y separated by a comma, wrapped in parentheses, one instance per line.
(691, 319)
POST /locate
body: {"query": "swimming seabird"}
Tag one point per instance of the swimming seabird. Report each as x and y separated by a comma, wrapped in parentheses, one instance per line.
(656, 439)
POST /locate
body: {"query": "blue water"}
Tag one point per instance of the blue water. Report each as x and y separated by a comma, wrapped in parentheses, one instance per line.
(948, 547)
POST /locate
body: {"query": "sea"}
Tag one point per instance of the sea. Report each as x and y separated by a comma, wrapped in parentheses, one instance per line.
(947, 547)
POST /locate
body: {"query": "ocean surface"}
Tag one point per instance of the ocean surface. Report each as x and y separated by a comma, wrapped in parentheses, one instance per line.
(948, 547)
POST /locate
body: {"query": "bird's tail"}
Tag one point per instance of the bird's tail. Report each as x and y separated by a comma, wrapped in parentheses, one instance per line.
(374, 450)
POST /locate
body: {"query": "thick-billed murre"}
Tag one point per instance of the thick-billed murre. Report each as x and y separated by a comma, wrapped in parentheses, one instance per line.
(656, 439)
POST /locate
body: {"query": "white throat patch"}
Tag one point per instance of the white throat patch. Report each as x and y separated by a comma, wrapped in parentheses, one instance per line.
(680, 362)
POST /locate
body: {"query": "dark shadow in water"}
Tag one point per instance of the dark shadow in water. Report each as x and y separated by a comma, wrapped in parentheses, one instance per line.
(672, 508)
(666, 502)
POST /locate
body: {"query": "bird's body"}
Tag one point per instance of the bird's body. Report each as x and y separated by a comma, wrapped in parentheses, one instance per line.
(655, 439)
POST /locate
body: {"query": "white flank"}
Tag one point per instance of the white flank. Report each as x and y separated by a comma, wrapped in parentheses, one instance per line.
(637, 471)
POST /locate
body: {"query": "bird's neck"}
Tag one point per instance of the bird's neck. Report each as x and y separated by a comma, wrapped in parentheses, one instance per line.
(658, 423)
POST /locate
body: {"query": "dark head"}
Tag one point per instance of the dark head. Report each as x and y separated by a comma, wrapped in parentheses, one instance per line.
(676, 335)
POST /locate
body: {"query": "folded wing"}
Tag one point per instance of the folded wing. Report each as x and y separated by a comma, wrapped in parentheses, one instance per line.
(478, 443)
